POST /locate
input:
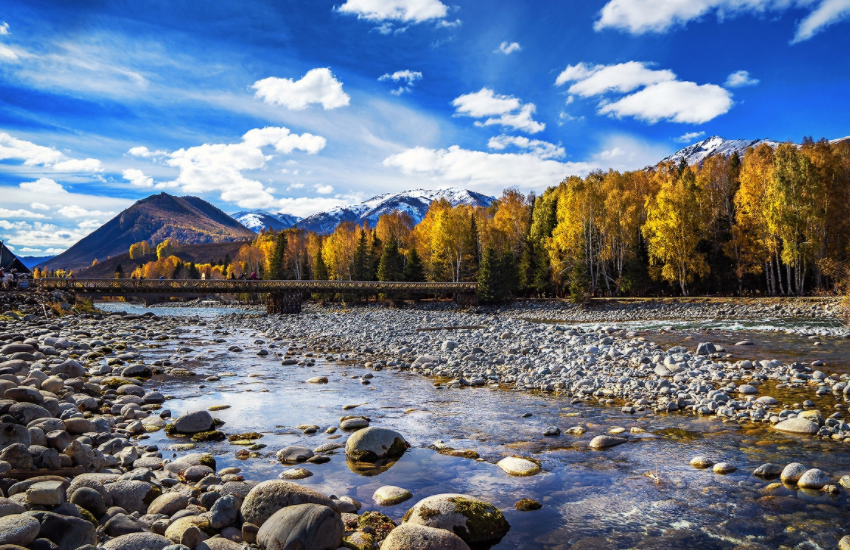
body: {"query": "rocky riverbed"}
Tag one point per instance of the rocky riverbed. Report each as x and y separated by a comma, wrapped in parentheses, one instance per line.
(425, 427)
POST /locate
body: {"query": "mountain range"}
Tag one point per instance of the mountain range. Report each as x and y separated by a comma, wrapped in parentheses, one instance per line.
(192, 220)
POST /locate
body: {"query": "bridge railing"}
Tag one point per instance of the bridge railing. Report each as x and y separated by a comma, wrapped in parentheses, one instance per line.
(234, 286)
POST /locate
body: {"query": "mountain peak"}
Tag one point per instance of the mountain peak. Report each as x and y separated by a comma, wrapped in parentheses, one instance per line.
(715, 145)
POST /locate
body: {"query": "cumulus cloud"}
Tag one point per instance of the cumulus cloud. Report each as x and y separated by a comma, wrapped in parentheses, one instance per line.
(317, 86)
(20, 213)
(75, 211)
(39, 206)
(43, 235)
(500, 109)
(406, 11)
(307, 206)
(684, 102)
(408, 78)
(12, 148)
(623, 77)
(689, 137)
(219, 167)
(662, 96)
(323, 189)
(45, 186)
(137, 177)
(740, 79)
(490, 172)
(542, 149)
(508, 48)
(644, 16)
(144, 152)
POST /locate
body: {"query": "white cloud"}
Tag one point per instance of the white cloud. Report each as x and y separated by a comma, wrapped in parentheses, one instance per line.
(42, 235)
(317, 86)
(411, 11)
(75, 165)
(295, 186)
(75, 211)
(449, 24)
(407, 76)
(828, 13)
(219, 167)
(542, 149)
(508, 48)
(684, 102)
(39, 206)
(739, 79)
(6, 213)
(7, 54)
(662, 97)
(509, 110)
(689, 137)
(323, 189)
(90, 224)
(489, 172)
(643, 16)
(45, 186)
(144, 152)
(4, 28)
(137, 177)
(307, 206)
(623, 77)
(12, 148)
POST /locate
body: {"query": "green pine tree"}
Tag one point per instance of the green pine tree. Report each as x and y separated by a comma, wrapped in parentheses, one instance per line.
(320, 270)
(579, 280)
(119, 272)
(362, 260)
(391, 264)
(413, 270)
(276, 260)
(489, 283)
(508, 275)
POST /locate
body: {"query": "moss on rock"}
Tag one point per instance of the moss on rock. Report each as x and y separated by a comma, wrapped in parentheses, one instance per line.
(213, 435)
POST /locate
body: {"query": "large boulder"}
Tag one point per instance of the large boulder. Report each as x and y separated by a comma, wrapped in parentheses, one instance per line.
(373, 443)
(168, 504)
(18, 456)
(270, 496)
(302, 527)
(93, 481)
(133, 496)
(472, 519)
(218, 543)
(89, 499)
(83, 455)
(69, 533)
(138, 541)
(194, 422)
(409, 536)
(18, 529)
(13, 433)
(188, 530)
(24, 413)
(797, 426)
(70, 368)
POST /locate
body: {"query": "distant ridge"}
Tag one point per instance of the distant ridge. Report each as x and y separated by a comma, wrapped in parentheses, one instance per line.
(715, 145)
(415, 203)
(255, 220)
(190, 220)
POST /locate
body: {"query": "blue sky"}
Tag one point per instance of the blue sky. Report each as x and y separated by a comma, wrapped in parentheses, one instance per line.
(300, 106)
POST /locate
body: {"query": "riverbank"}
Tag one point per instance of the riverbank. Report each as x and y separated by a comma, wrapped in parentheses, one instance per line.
(295, 395)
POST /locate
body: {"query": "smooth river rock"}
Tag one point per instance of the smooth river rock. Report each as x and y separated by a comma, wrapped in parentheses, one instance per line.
(302, 527)
(470, 518)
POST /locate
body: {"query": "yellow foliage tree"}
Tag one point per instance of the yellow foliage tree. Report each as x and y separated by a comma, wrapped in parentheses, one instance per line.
(167, 248)
(139, 249)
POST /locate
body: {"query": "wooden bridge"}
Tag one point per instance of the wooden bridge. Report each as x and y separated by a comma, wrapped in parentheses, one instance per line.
(281, 296)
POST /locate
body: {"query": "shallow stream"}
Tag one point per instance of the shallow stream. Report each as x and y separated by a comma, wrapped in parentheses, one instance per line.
(591, 499)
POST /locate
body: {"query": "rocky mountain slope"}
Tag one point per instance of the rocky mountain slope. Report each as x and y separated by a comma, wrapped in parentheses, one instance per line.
(255, 220)
(190, 220)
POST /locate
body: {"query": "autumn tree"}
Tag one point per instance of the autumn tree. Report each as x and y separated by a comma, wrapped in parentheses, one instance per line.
(166, 248)
(139, 250)
(674, 226)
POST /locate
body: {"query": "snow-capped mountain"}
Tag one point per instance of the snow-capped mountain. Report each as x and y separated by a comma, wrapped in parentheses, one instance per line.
(715, 145)
(415, 203)
(258, 219)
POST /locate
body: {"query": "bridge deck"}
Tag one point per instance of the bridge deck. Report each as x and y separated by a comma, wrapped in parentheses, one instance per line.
(230, 286)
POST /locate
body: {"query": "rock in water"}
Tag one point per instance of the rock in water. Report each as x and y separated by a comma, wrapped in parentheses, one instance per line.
(797, 426)
(390, 496)
(605, 441)
(768, 470)
(409, 536)
(516, 466)
(470, 518)
(302, 527)
(371, 444)
(268, 497)
(792, 472)
(724, 468)
(194, 422)
(813, 479)
(701, 462)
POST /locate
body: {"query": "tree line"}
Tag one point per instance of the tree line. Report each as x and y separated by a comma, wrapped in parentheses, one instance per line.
(775, 222)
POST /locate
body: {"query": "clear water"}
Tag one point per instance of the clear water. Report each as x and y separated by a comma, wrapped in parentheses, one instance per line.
(590, 499)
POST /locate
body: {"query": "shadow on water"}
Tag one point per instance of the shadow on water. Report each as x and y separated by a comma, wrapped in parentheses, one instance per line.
(591, 499)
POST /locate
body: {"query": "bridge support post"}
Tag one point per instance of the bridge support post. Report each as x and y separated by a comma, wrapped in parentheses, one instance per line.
(283, 302)
(466, 298)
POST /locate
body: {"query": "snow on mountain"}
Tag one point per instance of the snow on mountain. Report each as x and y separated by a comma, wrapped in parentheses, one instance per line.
(715, 145)
(258, 219)
(415, 203)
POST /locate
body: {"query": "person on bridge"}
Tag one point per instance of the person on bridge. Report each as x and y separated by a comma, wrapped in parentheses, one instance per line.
(253, 275)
